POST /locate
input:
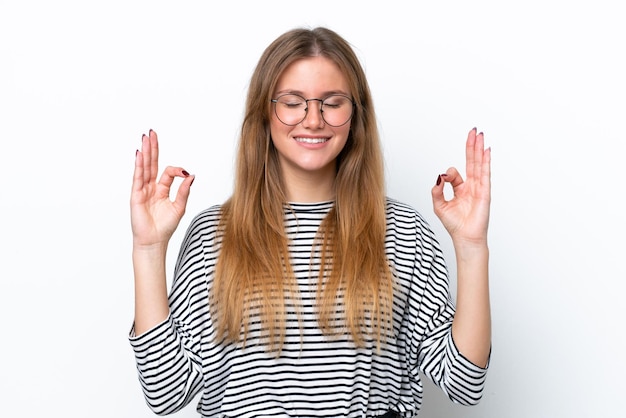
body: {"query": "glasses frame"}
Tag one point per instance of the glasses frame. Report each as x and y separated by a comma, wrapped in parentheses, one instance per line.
(306, 109)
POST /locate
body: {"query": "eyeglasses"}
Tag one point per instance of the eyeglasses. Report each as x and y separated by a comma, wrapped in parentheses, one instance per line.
(291, 109)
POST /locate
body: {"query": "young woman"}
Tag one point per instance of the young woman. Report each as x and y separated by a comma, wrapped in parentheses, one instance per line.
(309, 293)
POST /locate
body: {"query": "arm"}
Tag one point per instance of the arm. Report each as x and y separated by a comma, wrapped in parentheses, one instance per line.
(466, 218)
(154, 218)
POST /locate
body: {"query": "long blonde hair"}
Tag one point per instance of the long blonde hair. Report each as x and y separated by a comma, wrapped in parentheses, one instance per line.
(253, 274)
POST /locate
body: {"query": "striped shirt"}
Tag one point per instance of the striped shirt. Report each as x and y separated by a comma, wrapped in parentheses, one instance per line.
(314, 375)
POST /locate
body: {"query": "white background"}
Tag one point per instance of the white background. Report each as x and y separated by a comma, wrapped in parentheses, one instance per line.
(545, 80)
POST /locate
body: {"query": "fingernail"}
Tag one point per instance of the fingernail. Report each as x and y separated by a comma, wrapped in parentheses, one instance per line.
(136, 152)
(438, 180)
(185, 173)
(151, 131)
(192, 180)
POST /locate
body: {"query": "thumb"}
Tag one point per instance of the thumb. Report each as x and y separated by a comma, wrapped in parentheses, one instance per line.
(182, 195)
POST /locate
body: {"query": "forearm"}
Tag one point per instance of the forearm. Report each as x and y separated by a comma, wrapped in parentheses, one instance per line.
(471, 328)
(151, 304)
(170, 374)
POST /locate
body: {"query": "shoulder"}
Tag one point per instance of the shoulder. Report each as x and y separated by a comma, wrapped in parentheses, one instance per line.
(404, 223)
(205, 221)
(403, 212)
(396, 205)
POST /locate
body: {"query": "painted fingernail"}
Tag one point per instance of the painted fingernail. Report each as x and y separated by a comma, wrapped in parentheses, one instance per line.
(192, 180)
(438, 180)
(136, 152)
(185, 173)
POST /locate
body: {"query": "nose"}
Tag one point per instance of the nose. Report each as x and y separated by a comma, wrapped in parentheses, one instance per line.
(313, 118)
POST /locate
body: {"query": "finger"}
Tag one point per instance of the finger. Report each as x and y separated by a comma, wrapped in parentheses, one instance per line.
(166, 181)
(154, 155)
(453, 177)
(182, 196)
(138, 173)
(437, 193)
(168, 176)
(146, 156)
(479, 150)
(470, 155)
(486, 168)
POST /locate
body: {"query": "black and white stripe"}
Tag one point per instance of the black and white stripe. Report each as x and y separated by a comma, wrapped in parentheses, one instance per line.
(313, 376)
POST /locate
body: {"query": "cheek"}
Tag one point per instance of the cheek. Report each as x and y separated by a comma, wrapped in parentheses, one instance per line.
(277, 129)
(344, 133)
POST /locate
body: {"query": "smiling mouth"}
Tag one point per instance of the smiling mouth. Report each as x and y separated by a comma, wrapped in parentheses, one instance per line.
(311, 140)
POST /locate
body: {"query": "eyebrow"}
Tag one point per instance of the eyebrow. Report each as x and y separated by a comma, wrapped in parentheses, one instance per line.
(301, 93)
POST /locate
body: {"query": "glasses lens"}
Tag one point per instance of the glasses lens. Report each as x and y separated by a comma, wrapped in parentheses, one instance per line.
(337, 110)
(291, 109)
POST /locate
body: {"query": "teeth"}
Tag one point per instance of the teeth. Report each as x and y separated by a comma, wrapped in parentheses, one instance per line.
(311, 140)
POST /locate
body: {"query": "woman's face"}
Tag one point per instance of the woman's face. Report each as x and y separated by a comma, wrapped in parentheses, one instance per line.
(310, 148)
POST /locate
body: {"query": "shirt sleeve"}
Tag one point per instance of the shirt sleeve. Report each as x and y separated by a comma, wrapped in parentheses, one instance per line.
(432, 350)
(168, 356)
(169, 372)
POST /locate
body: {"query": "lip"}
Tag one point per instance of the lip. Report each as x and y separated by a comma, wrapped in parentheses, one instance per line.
(311, 141)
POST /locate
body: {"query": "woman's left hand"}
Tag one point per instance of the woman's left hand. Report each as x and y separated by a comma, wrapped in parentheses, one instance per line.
(466, 215)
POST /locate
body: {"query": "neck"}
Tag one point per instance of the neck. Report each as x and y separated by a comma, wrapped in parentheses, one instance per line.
(310, 188)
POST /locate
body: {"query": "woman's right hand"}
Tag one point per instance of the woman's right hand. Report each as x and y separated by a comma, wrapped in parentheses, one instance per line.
(154, 217)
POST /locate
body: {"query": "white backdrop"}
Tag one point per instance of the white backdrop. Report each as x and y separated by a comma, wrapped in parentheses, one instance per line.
(545, 80)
